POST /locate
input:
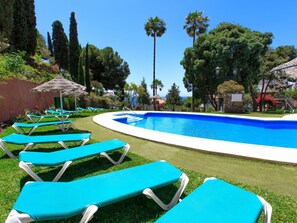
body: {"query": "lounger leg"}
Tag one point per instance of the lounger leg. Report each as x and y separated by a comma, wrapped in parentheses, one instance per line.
(16, 217)
(65, 166)
(28, 146)
(63, 145)
(84, 142)
(27, 167)
(88, 213)
(150, 194)
(18, 129)
(126, 149)
(32, 130)
(7, 151)
(267, 210)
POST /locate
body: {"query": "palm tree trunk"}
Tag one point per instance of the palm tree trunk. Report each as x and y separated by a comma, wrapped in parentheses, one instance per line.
(154, 75)
(193, 87)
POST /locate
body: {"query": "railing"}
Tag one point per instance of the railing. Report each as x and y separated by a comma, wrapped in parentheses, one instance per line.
(130, 118)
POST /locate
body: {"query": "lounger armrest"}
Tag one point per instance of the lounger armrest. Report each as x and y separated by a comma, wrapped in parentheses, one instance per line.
(149, 193)
(267, 210)
(16, 217)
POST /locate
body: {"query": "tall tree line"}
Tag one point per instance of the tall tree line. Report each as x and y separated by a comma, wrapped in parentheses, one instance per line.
(23, 35)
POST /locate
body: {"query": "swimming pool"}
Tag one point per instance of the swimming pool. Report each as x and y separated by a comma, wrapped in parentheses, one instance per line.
(270, 139)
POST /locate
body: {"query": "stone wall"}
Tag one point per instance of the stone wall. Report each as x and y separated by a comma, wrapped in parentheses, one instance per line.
(233, 104)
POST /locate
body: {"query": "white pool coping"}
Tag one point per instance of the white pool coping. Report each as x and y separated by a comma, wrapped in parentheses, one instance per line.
(270, 153)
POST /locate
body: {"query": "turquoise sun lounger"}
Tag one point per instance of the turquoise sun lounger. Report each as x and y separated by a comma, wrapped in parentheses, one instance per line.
(37, 118)
(66, 157)
(19, 126)
(217, 201)
(40, 201)
(30, 141)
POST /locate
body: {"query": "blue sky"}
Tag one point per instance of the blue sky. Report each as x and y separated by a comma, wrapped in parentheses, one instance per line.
(120, 24)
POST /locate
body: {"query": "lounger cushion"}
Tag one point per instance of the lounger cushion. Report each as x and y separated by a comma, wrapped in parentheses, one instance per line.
(21, 139)
(31, 125)
(216, 201)
(56, 200)
(62, 156)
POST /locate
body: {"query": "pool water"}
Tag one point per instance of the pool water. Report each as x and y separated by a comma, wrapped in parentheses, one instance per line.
(279, 133)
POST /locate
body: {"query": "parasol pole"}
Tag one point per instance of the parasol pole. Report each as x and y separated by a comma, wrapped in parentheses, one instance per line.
(61, 104)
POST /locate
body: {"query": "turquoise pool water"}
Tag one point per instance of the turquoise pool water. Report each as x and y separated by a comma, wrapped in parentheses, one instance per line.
(279, 133)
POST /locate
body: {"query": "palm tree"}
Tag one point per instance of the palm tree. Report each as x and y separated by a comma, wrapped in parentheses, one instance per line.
(155, 27)
(157, 85)
(195, 25)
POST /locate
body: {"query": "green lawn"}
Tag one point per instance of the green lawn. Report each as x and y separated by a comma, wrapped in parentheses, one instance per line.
(275, 182)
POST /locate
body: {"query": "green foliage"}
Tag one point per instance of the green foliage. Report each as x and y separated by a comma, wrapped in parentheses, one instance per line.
(143, 95)
(107, 67)
(172, 97)
(19, 35)
(60, 45)
(158, 85)
(196, 24)
(228, 46)
(31, 31)
(131, 92)
(87, 69)
(73, 48)
(14, 65)
(50, 44)
(41, 48)
(230, 87)
(6, 19)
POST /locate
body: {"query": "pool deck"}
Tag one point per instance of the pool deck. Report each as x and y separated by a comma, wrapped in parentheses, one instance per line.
(270, 153)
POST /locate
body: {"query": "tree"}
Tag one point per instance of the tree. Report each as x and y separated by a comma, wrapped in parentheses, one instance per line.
(31, 31)
(236, 50)
(155, 27)
(158, 85)
(81, 72)
(195, 25)
(60, 45)
(19, 36)
(131, 93)
(73, 48)
(87, 70)
(41, 48)
(172, 97)
(6, 22)
(143, 95)
(49, 44)
(271, 59)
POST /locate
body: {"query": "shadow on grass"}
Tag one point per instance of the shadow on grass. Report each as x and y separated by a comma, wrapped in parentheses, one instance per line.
(78, 169)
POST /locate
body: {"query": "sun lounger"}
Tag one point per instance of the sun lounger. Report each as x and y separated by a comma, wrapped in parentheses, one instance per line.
(92, 109)
(30, 141)
(37, 118)
(217, 201)
(19, 126)
(66, 157)
(40, 201)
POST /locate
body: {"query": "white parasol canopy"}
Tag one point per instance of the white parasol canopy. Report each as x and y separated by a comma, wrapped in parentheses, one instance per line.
(61, 85)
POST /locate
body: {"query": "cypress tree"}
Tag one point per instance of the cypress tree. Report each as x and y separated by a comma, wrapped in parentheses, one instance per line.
(87, 70)
(60, 45)
(31, 31)
(6, 19)
(81, 74)
(73, 48)
(49, 44)
(19, 36)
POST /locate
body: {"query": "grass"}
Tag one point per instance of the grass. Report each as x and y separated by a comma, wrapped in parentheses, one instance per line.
(275, 182)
